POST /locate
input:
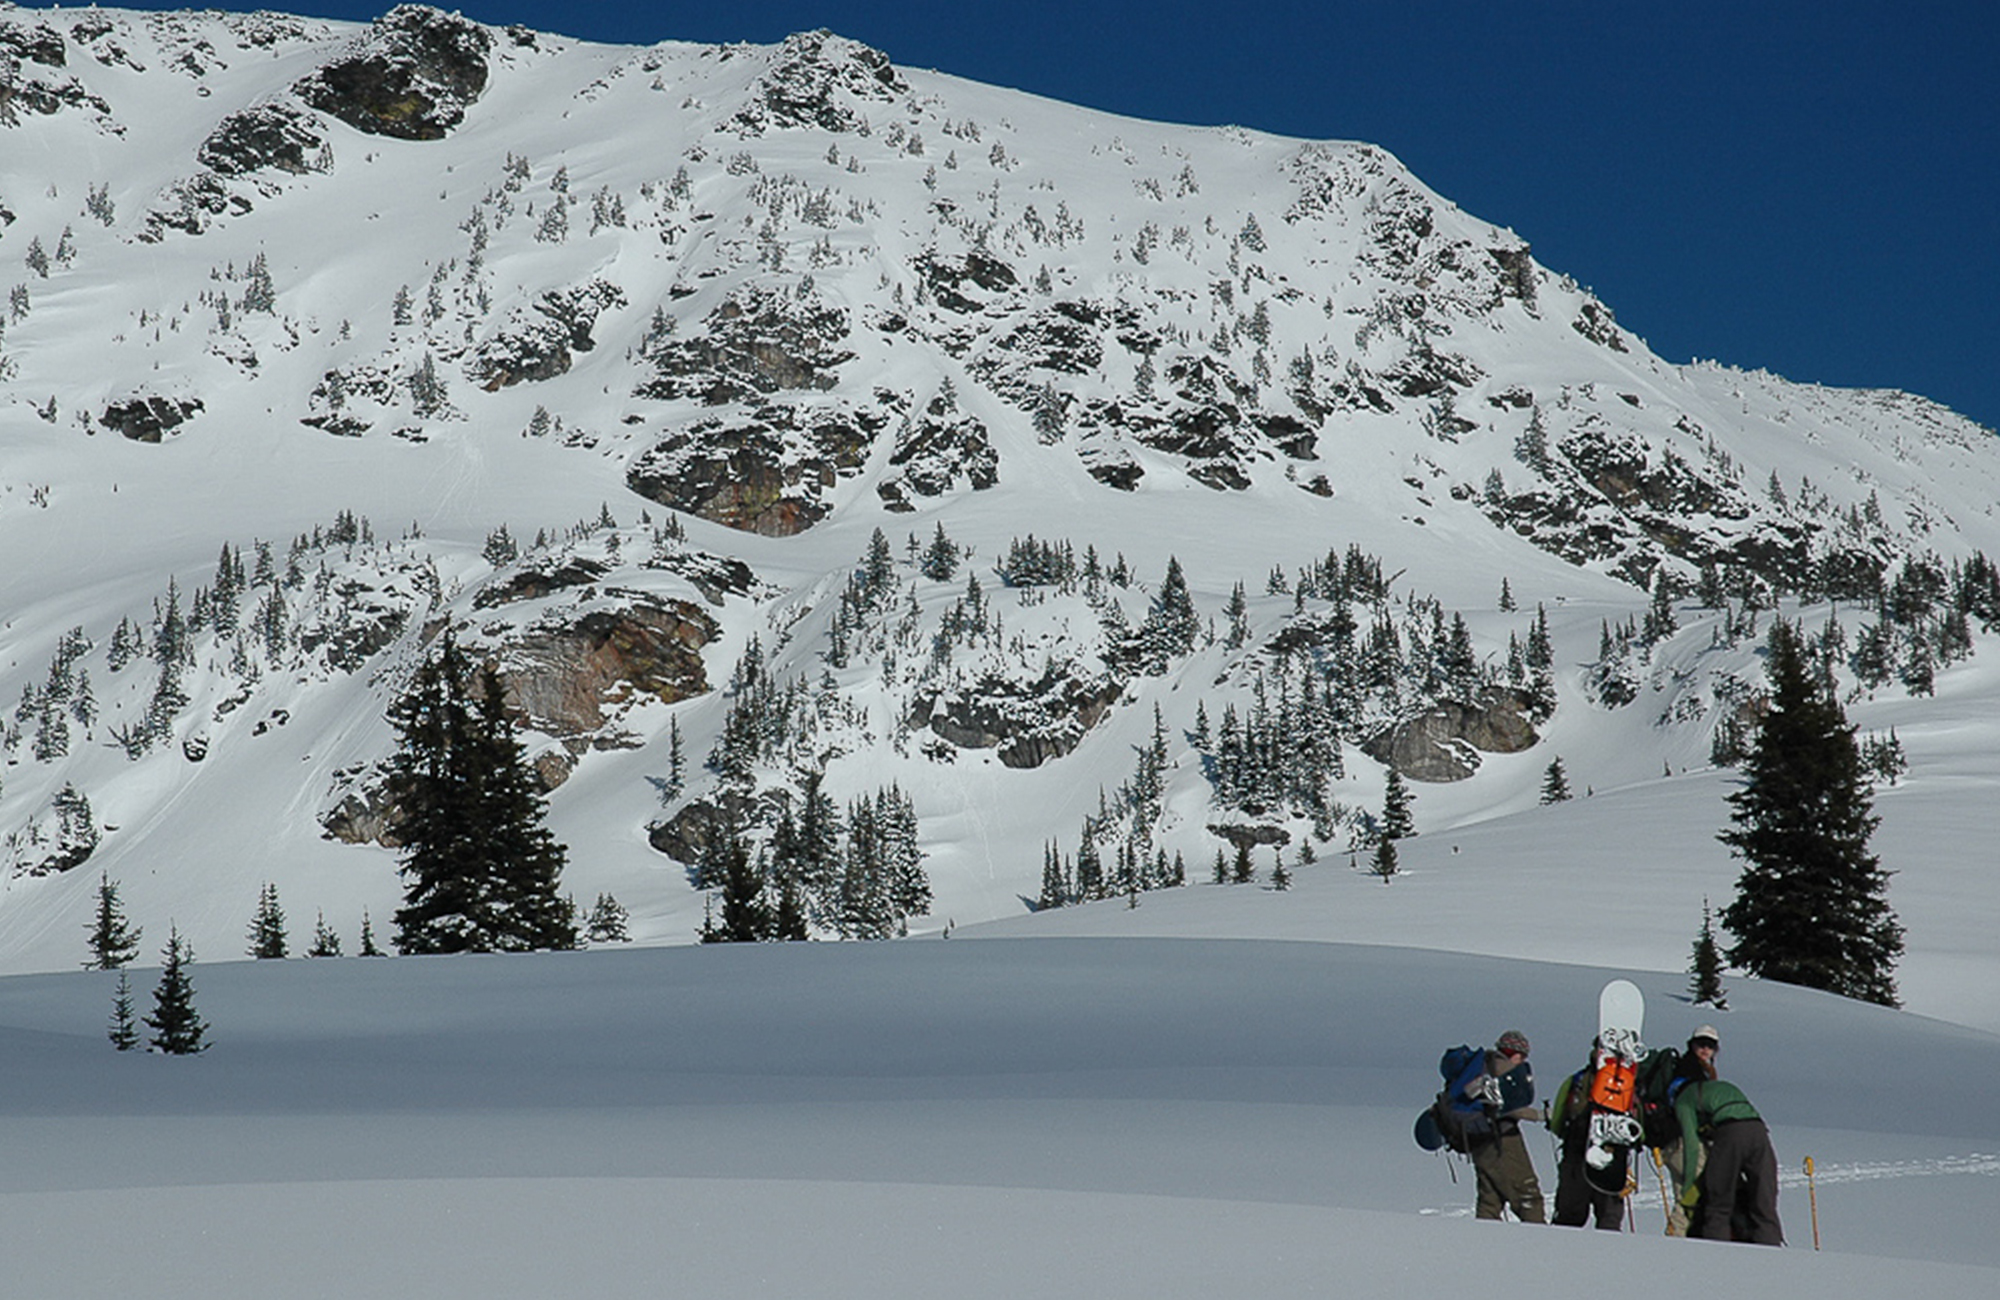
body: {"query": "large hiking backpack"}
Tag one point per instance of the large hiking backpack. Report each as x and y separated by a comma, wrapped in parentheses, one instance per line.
(1656, 1101)
(1451, 1119)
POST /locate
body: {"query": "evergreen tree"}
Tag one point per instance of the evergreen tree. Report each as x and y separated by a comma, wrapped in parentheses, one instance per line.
(1705, 967)
(124, 1030)
(1171, 624)
(267, 926)
(940, 562)
(481, 871)
(1281, 875)
(1397, 821)
(745, 918)
(113, 943)
(1811, 905)
(609, 921)
(326, 940)
(369, 948)
(177, 1027)
(1555, 782)
(1383, 864)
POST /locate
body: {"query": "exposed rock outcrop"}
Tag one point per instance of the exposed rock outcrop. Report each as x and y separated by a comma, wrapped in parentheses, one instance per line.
(767, 472)
(758, 342)
(412, 77)
(149, 418)
(1444, 742)
(820, 80)
(566, 674)
(1025, 723)
(266, 136)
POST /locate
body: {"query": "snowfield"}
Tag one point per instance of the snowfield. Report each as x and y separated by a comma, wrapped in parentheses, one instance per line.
(1074, 1117)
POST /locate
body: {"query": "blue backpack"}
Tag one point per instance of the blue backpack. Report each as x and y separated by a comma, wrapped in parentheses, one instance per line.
(1452, 1119)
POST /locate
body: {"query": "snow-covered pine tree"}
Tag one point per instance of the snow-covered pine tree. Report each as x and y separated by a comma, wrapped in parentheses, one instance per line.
(940, 559)
(1397, 821)
(609, 921)
(178, 1029)
(1555, 782)
(267, 926)
(1171, 624)
(902, 861)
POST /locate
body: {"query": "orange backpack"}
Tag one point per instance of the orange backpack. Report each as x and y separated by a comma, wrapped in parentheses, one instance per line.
(1615, 1084)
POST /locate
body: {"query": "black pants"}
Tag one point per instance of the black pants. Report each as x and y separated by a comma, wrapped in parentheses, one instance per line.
(1739, 1186)
(1578, 1198)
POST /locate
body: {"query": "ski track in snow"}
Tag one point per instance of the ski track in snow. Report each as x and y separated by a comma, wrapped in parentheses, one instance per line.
(1866, 1171)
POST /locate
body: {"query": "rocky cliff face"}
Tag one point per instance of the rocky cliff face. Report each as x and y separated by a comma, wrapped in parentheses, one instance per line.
(411, 78)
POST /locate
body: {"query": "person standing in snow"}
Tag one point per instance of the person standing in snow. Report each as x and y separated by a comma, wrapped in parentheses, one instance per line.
(1505, 1092)
(1577, 1198)
(1734, 1196)
(1697, 1064)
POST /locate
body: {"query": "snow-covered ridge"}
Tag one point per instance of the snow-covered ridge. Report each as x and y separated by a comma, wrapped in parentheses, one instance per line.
(707, 318)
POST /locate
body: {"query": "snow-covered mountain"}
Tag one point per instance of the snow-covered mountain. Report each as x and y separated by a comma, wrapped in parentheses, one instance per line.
(322, 338)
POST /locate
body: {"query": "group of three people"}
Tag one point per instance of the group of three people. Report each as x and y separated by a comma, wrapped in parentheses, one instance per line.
(1725, 1170)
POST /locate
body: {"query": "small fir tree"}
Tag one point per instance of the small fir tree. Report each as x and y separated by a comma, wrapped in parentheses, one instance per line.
(1281, 875)
(609, 921)
(267, 926)
(1705, 967)
(326, 940)
(1383, 864)
(178, 1029)
(1397, 821)
(369, 948)
(124, 1031)
(113, 943)
(1555, 782)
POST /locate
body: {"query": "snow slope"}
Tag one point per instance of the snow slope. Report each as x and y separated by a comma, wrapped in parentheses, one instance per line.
(1103, 1117)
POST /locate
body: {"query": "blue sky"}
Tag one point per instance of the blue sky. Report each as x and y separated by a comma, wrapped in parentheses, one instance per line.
(1813, 188)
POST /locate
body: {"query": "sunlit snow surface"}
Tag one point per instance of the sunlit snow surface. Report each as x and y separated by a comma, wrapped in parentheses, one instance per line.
(1066, 1117)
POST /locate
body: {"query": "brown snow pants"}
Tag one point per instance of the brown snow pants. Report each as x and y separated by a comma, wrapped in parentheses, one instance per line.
(1506, 1177)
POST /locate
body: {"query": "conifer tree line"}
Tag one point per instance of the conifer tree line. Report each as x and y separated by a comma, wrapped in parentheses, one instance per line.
(859, 875)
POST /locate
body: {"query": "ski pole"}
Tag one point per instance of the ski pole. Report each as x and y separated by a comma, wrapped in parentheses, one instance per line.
(1812, 1197)
(1666, 1197)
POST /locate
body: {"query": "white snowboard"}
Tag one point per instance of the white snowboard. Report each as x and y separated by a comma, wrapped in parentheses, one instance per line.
(1621, 1016)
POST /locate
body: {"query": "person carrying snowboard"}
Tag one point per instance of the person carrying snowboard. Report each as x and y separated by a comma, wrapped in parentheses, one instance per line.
(1734, 1197)
(1581, 1192)
(1503, 1087)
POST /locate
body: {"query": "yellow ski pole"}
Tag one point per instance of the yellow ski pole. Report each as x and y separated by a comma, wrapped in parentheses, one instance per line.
(1812, 1198)
(1666, 1196)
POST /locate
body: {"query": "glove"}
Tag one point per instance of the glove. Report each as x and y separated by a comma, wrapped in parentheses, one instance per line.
(1690, 1196)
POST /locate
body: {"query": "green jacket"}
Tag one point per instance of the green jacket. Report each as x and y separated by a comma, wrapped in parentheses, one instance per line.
(1702, 1104)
